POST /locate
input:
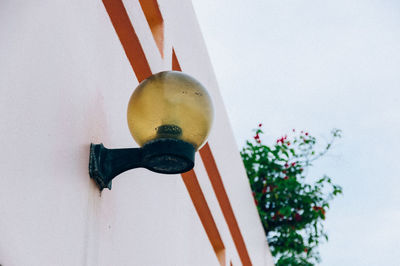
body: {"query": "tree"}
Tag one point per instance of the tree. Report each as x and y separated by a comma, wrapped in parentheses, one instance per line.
(291, 208)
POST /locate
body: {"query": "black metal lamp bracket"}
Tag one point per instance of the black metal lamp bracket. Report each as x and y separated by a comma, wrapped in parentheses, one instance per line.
(166, 156)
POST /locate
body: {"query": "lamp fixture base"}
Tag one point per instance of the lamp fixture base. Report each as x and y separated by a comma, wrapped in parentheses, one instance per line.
(165, 156)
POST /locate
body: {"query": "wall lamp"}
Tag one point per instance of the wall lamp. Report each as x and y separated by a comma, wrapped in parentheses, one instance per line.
(169, 115)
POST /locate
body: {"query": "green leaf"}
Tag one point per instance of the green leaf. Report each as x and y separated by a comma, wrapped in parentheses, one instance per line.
(281, 195)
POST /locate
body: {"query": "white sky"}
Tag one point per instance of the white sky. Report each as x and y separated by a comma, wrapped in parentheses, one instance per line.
(315, 65)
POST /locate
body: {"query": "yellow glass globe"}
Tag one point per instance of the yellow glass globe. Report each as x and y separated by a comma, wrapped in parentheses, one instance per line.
(170, 104)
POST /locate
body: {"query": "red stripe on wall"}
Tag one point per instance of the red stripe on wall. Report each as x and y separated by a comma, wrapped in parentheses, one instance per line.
(219, 190)
(199, 200)
(135, 54)
(129, 40)
(224, 203)
(175, 63)
(155, 20)
(204, 213)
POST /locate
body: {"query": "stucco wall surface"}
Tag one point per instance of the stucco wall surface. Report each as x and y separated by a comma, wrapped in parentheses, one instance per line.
(65, 82)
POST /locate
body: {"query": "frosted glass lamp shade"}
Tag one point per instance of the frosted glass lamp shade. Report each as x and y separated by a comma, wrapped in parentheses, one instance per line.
(169, 115)
(170, 105)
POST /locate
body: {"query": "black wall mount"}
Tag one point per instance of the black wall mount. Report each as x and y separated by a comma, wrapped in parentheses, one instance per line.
(163, 155)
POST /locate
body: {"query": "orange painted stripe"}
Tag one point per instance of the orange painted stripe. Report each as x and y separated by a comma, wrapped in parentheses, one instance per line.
(129, 40)
(155, 20)
(204, 213)
(199, 201)
(141, 68)
(224, 203)
(220, 192)
(175, 63)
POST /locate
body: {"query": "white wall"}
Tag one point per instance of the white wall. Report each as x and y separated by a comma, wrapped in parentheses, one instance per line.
(65, 82)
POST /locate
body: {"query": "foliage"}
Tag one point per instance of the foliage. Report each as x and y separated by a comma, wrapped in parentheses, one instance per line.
(291, 209)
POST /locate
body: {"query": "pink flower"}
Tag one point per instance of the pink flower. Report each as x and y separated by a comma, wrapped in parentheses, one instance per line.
(316, 208)
(260, 125)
